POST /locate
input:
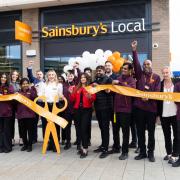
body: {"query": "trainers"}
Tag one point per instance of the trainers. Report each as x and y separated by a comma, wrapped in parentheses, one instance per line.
(167, 157)
(104, 154)
(123, 156)
(83, 154)
(172, 160)
(176, 164)
(140, 156)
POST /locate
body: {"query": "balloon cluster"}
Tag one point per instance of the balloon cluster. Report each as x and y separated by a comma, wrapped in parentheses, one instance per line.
(93, 60)
(116, 60)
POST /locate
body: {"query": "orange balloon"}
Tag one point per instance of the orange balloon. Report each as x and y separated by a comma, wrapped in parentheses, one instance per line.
(116, 54)
(118, 64)
(112, 59)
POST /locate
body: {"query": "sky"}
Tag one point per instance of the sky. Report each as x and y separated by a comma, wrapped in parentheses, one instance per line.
(175, 34)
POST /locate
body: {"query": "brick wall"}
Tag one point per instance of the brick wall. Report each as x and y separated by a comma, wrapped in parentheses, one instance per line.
(160, 13)
(31, 17)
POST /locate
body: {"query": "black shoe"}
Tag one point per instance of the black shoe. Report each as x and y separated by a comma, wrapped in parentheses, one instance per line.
(99, 149)
(83, 154)
(104, 154)
(167, 157)
(123, 156)
(29, 149)
(75, 143)
(114, 150)
(177, 163)
(137, 151)
(24, 148)
(132, 145)
(172, 160)
(151, 157)
(140, 156)
(67, 146)
(7, 151)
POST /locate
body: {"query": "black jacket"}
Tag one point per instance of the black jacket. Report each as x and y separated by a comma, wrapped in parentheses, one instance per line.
(103, 100)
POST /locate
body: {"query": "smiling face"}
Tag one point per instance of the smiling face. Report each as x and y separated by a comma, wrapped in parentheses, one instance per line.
(166, 72)
(3, 79)
(39, 75)
(147, 66)
(100, 72)
(108, 67)
(125, 70)
(25, 85)
(51, 76)
(83, 79)
(14, 76)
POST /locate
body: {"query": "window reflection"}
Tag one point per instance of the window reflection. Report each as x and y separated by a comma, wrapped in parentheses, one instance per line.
(10, 58)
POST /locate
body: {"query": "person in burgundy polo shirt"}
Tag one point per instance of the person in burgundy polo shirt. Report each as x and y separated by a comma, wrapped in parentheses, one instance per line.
(6, 113)
(146, 109)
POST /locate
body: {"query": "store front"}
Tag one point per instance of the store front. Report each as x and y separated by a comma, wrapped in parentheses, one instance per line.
(120, 20)
(10, 49)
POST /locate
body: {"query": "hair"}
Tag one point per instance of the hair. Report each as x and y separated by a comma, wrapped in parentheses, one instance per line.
(38, 71)
(100, 67)
(80, 84)
(62, 78)
(130, 66)
(108, 62)
(166, 67)
(7, 79)
(23, 80)
(53, 71)
(18, 79)
(70, 71)
(87, 69)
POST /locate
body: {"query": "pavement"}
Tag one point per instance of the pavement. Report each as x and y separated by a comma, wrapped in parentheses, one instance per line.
(66, 166)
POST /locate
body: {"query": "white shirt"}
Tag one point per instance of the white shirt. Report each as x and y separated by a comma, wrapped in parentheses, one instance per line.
(51, 90)
(169, 107)
(38, 87)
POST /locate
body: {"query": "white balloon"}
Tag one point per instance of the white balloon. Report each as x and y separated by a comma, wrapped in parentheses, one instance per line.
(99, 53)
(101, 61)
(67, 67)
(71, 61)
(107, 53)
(85, 54)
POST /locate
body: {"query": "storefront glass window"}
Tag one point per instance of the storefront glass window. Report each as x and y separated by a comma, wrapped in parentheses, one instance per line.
(10, 58)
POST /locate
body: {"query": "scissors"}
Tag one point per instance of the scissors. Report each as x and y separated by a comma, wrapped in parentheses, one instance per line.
(50, 127)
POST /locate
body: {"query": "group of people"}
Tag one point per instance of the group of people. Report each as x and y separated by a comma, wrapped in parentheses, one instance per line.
(128, 113)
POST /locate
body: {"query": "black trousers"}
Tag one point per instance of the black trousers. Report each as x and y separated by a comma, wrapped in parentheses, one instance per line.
(167, 123)
(103, 117)
(82, 117)
(145, 119)
(67, 131)
(35, 128)
(5, 133)
(89, 129)
(44, 124)
(123, 121)
(26, 125)
(133, 126)
(178, 137)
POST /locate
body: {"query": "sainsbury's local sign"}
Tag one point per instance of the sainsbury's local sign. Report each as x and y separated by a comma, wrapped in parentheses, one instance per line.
(94, 30)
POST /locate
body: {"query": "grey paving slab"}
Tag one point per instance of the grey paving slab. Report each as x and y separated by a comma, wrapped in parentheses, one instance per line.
(68, 166)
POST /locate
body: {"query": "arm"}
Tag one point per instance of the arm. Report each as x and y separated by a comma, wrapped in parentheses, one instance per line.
(137, 65)
(30, 75)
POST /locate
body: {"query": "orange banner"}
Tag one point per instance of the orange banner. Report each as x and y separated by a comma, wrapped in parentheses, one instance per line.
(127, 91)
(36, 108)
(23, 32)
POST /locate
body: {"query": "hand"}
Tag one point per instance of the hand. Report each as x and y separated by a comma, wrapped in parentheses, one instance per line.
(107, 90)
(145, 99)
(31, 63)
(134, 45)
(115, 82)
(76, 65)
(94, 84)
